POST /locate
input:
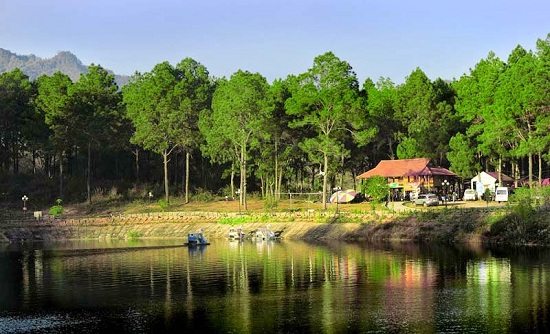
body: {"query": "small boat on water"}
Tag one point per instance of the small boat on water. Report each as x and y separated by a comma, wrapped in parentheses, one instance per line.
(196, 239)
(236, 234)
(265, 233)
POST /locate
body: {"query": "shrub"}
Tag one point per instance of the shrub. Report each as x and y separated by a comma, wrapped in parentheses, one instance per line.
(133, 235)
(270, 203)
(163, 204)
(236, 220)
(487, 195)
(57, 209)
(202, 195)
(376, 188)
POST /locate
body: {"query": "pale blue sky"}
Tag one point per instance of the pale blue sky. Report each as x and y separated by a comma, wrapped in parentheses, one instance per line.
(276, 38)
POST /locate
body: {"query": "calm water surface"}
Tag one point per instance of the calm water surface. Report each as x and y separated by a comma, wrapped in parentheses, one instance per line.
(272, 287)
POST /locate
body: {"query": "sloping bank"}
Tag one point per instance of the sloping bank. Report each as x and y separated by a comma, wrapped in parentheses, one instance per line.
(453, 225)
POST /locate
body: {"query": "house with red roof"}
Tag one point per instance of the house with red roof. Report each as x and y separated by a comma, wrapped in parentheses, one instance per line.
(413, 175)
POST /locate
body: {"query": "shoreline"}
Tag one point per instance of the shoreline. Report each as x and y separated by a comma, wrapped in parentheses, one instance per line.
(441, 226)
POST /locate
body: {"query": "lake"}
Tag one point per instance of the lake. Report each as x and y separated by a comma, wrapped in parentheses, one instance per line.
(287, 286)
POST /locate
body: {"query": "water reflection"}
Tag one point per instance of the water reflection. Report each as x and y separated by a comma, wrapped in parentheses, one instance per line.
(274, 286)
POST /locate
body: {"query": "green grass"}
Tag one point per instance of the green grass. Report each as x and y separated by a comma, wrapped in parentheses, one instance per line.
(237, 220)
(133, 235)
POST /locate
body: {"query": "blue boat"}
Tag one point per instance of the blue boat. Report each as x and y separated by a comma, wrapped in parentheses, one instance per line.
(196, 239)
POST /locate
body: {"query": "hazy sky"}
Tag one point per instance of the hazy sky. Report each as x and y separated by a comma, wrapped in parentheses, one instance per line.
(276, 38)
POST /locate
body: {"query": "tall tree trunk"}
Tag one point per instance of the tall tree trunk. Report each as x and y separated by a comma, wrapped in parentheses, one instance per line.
(325, 181)
(540, 169)
(343, 172)
(244, 178)
(312, 178)
(34, 162)
(500, 171)
(76, 159)
(530, 162)
(354, 180)
(232, 180)
(166, 185)
(241, 176)
(262, 187)
(390, 147)
(61, 174)
(89, 174)
(276, 171)
(515, 174)
(280, 182)
(136, 155)
(175, 171)
(302, 179)
(187, 177)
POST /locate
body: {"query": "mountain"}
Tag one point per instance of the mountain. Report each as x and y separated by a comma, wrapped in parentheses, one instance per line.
(34, 66)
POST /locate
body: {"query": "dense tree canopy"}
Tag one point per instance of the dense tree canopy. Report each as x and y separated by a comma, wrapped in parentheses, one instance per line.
(304, 133)
(327, 100)
(238, 119)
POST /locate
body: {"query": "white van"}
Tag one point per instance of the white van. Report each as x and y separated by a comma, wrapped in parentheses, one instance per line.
(469, 195)
(501, 194)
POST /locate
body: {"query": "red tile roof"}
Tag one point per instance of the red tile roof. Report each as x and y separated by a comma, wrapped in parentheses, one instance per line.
(405, 167)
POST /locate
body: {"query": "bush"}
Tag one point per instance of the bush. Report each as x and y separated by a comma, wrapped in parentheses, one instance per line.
(236, 220)
(163, 204)
(376, 188)
(133, 235)
(487, 195)
(527, 222)
(56, 210)
(270, 203)
(202, 195)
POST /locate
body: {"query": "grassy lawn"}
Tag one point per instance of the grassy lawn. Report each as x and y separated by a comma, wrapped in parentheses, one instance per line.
(108, 206)
(255, 205)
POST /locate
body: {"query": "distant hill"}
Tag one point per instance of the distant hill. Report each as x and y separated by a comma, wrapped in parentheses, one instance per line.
(34, 66)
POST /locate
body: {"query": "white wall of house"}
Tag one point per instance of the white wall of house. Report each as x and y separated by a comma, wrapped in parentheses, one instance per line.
(483, 181)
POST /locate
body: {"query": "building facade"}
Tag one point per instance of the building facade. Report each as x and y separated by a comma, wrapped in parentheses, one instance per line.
(413, 176)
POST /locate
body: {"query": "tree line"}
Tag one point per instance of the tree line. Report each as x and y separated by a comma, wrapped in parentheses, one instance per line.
(301, 133)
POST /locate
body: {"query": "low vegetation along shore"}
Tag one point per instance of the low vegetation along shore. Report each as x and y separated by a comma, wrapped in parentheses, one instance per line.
(526, 221)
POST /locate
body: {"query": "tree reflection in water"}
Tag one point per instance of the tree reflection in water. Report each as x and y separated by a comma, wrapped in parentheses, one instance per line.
(276, 286)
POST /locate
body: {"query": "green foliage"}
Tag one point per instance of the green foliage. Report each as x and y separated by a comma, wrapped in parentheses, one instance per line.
(326, 99)
(381, 105)
(236, 220)
(237, 121)
(57, 209)
(487, 195)
(16, 115)
(527, 220)
(376, 187)
(164, 107)
(278, 135)
(133, 235)
(270, 203)
(203, 195)
(462, 156)
(426, 109)
(163, 204)
(408, 148)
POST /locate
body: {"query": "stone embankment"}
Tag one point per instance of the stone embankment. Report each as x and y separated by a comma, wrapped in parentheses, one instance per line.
(297, 225)
(177, 225)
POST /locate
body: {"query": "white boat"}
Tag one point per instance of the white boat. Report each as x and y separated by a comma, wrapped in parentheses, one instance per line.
(265, 233)
(236, 234)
